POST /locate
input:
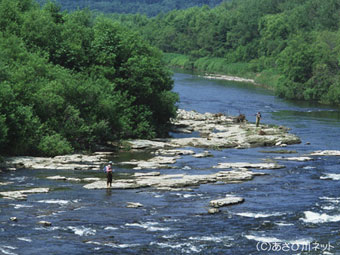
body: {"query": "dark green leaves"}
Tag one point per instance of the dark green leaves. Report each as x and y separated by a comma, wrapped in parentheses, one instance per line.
(69, 81)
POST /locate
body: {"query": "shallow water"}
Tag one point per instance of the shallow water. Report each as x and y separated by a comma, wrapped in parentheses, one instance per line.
(298, 206)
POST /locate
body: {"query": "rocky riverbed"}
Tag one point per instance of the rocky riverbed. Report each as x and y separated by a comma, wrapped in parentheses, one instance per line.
(190, 206)
(218, 131)
(215, 131)
(208, 130)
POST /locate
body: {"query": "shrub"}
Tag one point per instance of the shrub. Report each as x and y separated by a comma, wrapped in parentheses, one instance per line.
(53, 145)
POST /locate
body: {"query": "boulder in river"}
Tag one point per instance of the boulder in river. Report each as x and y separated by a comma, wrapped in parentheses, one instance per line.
(133, 205)
(45, 223)
(229, 200)
(213, 210)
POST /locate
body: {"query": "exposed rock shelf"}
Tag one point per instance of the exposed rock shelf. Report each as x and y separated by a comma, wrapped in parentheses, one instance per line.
(22, 194)
(174, 181)
(218, 131)
(66, 162)
(228, 200)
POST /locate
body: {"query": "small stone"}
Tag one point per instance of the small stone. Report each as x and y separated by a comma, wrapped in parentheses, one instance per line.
(56, 177)
(45, 223)
(13, 219)
(204, 154)
(213, 210)
(133, 205)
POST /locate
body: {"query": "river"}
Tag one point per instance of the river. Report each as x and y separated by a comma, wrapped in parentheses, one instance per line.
(295, 210)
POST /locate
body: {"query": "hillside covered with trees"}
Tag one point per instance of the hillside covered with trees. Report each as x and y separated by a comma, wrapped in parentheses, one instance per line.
(68, 81)
(292, 45)
(148, 7)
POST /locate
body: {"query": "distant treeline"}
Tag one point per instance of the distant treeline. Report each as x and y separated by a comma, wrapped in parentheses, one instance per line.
(293, 45)
(69, 81)
(148, 7)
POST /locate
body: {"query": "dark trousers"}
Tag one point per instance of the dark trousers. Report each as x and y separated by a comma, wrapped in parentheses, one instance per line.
(109, 178)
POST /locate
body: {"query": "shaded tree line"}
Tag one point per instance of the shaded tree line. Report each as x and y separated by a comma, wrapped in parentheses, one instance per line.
(148, 7)
(69, 81)
(295, 41)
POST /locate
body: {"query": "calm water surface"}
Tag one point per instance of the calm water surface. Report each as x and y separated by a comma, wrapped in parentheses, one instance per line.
(297, 208)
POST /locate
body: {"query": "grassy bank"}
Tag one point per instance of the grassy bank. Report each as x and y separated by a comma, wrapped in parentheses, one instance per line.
(269, 78)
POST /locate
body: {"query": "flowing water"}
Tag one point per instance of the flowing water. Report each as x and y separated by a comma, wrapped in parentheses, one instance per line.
(295, 210)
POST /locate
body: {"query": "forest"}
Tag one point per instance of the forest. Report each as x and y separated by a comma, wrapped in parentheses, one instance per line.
(69, 81)
(72, 80)
(293, 46)
(148, 7)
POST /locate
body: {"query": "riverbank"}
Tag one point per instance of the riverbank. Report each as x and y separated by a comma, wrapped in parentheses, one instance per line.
(221, 69)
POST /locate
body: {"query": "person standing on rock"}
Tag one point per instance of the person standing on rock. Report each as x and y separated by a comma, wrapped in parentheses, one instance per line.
(108, 170)
(258, 118)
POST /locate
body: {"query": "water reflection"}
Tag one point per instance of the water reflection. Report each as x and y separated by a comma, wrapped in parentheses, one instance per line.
(330, 115)
(108, 192)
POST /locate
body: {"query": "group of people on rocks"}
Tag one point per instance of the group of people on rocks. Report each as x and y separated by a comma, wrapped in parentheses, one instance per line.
(108, 168)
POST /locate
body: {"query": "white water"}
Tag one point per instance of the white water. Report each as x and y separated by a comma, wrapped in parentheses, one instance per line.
(259, 215)
(334, 177)
(312, 217)
(149, 226)
(83, 231)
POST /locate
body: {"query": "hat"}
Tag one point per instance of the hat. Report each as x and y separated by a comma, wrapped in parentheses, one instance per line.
(110, 162)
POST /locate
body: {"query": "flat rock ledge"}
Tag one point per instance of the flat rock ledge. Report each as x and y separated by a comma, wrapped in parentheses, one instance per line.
(228, 200)
(163, 158)
(249, 165)
(153, 163)
(300, 159)
(22, 194)
(326, 153)
(218, 131)
(63, 178)
(176, 181)
(66, 162)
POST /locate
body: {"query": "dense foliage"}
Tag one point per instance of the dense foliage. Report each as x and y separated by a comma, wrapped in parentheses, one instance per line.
(68, 81)
(148, 7)
(292, 44)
